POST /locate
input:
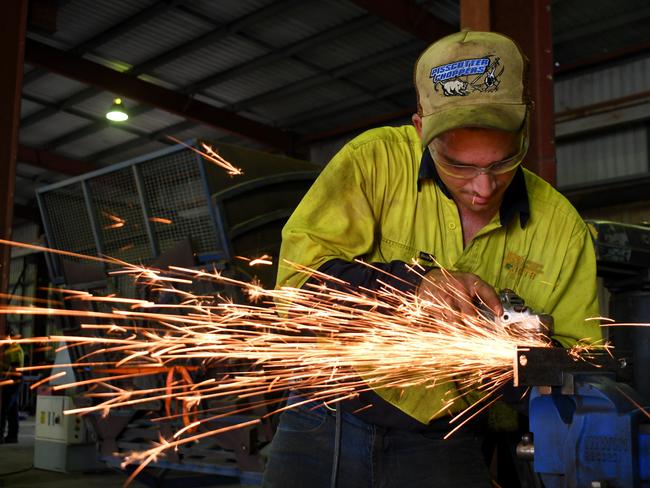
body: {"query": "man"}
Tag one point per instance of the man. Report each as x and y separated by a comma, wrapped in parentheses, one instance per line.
(448, 191)
(12, 359)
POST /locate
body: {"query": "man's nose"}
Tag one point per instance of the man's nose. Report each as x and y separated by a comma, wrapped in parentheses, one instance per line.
(484, 184)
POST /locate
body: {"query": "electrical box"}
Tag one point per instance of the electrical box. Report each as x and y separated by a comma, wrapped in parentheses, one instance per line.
(62, 442)
(52, 424)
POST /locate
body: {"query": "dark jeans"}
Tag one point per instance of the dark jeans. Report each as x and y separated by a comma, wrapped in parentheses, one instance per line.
(9, 414)
(302, 453)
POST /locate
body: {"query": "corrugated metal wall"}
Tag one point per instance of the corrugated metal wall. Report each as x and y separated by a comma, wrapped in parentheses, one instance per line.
(615, 81)
(605, 156)
(620, 152)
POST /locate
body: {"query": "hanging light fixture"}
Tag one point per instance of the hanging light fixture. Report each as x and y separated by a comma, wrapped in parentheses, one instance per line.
(117, 112)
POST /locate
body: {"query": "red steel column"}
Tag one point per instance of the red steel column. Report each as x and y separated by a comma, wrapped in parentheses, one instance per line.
(475, 15)
(13, 22)
(529, 23)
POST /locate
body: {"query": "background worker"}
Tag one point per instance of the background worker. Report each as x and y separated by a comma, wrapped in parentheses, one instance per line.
(12, 359)
(449, 191)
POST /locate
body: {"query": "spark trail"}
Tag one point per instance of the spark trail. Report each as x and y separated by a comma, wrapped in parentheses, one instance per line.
(327, 339)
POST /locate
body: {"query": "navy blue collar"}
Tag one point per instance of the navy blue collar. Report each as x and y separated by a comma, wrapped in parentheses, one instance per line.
(515, 199)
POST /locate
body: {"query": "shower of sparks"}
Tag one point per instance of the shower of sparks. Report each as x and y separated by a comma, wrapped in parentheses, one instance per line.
(265, 259)
(209, 154)
(327, 339)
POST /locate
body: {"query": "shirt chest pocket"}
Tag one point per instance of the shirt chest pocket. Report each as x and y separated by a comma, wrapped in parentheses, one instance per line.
(392, 250)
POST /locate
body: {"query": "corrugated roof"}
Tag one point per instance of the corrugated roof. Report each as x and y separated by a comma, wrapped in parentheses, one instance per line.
(80, 20)
(197, 65)
(84, 146)
(305, 19)
(50, 128)
(154, 37)
(54, 87)
(300, 55)
(259, 81)
(228, 10)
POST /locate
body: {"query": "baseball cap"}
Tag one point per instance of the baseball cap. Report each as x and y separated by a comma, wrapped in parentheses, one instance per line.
(471, 79)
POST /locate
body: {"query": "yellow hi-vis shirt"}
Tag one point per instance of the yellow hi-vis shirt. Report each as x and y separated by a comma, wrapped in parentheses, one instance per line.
(13, 357)
(366, 204)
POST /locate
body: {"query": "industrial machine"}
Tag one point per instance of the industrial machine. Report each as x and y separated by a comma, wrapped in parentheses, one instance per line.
(142, 209)
(173, 207)
(623, 258)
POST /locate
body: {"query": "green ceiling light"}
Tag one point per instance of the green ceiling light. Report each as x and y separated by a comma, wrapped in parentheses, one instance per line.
(117, 112)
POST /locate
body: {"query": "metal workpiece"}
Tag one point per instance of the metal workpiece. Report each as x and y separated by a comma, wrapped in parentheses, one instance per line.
(554, 366)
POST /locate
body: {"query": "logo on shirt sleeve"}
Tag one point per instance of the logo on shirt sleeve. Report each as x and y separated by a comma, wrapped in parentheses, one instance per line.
(461, 78)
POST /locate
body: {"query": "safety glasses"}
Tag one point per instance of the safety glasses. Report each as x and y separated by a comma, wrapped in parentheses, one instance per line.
(469, 171)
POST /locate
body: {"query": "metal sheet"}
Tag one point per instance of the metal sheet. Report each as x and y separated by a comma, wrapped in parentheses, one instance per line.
(57, 125)
(83, 19)
(614, 81)
(602, 157)
(152, 38)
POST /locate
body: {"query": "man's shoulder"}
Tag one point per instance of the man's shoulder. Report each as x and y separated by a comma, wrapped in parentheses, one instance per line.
(545, 200)
(405, 134)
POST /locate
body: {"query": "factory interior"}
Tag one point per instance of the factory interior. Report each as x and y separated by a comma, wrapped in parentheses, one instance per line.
(184, 133)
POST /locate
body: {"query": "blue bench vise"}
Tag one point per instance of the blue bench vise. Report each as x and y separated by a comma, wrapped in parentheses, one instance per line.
(587, 429)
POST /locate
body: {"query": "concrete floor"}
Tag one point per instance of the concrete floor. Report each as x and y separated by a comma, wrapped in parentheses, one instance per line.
(17, 471)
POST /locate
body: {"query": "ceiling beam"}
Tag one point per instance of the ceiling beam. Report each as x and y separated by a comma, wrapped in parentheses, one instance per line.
(630, 109)
(355, 24)
(403, 50)
(128, 86)
(123, 26)
(410, 17)
(347, 105)
(406, 49)
(50, 161)
(219, 32)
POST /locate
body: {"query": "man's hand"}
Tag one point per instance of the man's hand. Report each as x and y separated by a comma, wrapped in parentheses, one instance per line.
(459, 291)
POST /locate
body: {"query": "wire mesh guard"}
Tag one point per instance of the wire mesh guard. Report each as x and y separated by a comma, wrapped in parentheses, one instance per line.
(139, 211)
(68, 220)
(133, 212)
(178, 204)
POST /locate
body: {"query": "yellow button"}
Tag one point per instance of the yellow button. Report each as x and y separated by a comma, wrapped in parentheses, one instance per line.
(452, 226)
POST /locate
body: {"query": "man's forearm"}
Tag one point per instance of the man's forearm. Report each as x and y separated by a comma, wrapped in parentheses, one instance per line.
(397, 274)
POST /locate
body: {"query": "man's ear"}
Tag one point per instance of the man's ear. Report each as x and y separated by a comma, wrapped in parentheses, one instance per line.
(417, 123)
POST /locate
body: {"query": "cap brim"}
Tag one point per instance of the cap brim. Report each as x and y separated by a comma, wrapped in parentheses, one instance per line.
(509, 117)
